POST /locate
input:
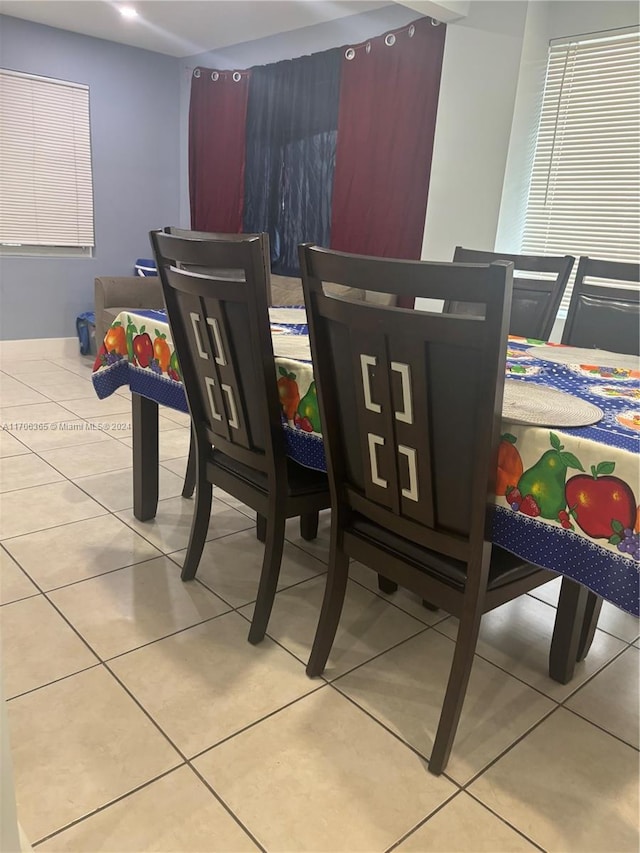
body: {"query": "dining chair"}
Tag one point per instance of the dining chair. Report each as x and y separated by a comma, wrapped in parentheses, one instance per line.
(414, 400)
(189, 484)
(600, 314)
(536, 295)
(221, 332)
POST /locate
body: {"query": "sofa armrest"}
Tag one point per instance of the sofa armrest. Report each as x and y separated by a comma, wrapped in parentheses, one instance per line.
(124, 292)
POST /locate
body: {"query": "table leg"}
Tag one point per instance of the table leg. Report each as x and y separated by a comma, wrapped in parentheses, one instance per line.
(145, 457)
(576, 620)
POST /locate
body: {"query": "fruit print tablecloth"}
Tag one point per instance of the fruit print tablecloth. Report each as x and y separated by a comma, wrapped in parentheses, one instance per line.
(567, 499)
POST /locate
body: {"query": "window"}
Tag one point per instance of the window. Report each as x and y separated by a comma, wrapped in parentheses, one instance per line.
(584, 197)
(46, 189)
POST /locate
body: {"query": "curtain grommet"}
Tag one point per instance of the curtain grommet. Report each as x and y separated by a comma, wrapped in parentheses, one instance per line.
(435, 23)
(215, 76)
(237, 77)
(196, 72)
(367, 47)
(412, 31)
(389, 39)
(349, 54)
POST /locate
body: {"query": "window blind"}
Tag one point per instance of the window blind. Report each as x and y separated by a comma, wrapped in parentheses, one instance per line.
(584, 197)
(46, 188)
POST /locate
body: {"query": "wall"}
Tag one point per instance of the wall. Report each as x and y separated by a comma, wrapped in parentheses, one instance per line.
(134, 102)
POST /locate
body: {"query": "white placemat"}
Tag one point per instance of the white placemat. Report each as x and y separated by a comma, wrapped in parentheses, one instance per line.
(580, 355)
(291, 346)
(287, 315)
(526, 403)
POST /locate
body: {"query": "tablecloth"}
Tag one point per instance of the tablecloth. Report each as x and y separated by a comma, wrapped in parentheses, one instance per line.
(567, 499)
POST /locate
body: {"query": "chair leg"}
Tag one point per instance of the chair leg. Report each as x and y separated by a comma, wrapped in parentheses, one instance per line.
(190, 475)
(385, 585)
(199, 528)
(456, 690)
(261, 527)
(331, 610)
(309, 526)
(428, 605)
(274, 545)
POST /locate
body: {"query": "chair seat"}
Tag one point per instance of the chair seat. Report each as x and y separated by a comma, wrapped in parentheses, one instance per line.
(301, 481)
(505, 567)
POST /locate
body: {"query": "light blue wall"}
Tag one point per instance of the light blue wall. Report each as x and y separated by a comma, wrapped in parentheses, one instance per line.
(135, 115)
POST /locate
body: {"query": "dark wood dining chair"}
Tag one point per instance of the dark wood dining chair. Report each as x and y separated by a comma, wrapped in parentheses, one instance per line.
(189, 484)
(221, 331)
(414, 401)
(601, 314)
(536, 296)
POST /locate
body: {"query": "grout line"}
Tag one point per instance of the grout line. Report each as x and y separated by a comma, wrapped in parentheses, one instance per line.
(54, 681)
(505, 821)
(107, 805)
(422, 822)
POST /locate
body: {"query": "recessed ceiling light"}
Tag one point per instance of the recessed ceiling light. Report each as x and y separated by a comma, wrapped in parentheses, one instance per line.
(128, 12)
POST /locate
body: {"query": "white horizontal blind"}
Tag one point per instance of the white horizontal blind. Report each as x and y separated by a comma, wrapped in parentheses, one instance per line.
(46, 188)
(584, 197)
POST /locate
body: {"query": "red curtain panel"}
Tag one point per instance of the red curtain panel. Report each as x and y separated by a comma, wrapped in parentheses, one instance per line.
(386, 123)
(217, 117)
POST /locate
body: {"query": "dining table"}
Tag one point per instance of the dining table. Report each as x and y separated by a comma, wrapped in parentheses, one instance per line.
(568, 479)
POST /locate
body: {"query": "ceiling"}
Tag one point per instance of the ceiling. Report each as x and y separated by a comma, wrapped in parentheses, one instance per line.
(185, 27)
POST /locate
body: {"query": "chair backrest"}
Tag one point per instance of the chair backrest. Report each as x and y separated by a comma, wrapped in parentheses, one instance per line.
(600, 314)
(220, 328)
(410, 401)
(232, 238)
(536, 298)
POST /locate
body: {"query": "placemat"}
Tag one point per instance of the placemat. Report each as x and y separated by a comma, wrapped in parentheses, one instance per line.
(580, 355)
(539, 405)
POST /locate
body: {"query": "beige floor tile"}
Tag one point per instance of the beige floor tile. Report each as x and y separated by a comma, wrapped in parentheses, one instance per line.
(405, 688)
(176, 813)
(15, 393)
(78, 744)
(169, 530)
(114, 489)
(402, 598)
(174, 415)
(517, 637)
(18, 367)
(22, 472)
(58, 386)
(176, 466)
(121, 610)
(225, 683)
(119, 425)
(10, 446)
(367, 627)
(231, 566)
(323, 777)
(34, 413)
(42, 507)
(14, 584)
(38, 646)
(464, 825)
(612, 619)
(90, 406)
(567, 786)
(70, 433)
(612, 697)
(318, 547)
(80, 550)
(87, 459)
(82, 365)
(173, 443)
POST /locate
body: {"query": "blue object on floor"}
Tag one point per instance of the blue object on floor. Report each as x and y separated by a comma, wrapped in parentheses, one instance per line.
(145, 267)
(86, 329)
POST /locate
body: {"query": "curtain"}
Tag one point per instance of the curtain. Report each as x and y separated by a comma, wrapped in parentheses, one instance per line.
(388, 103)
(292, 119)
(217, 119)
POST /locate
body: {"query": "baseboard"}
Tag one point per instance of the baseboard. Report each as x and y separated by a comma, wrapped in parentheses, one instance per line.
(35, 348)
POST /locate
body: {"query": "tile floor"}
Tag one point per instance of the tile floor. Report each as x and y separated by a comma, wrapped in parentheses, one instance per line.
(141, 719)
